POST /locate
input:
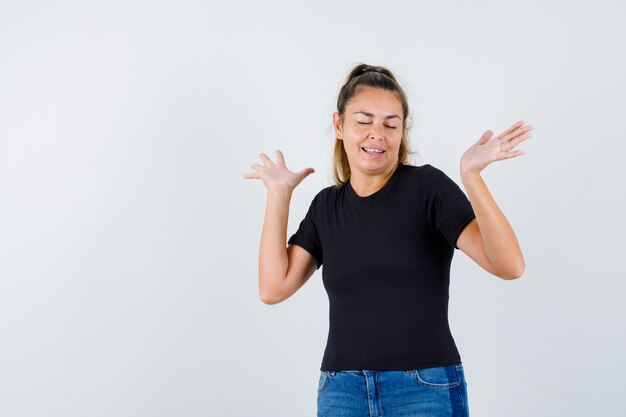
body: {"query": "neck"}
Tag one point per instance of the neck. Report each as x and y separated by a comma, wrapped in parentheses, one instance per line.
(367, 184)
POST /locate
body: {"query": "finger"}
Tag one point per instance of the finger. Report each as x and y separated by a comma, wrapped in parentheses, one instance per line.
(520, 131)
(266, 159)
(485, 137)
(280, 158)
(306, 171)
(516, 141)
(251, 175)
(513, 154)
(511, 129)
(257, 166)
(510, 154)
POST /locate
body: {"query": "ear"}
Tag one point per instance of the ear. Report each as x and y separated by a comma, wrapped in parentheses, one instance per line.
(337, 125)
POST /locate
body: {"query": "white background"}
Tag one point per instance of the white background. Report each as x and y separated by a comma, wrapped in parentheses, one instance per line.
(129, 239)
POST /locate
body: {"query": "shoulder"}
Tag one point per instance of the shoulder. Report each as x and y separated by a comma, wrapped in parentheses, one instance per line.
(430, 170)
(421, 173)
(326, 192)
(420, 169)
(433, 181)
(432, 175)
(324, 196)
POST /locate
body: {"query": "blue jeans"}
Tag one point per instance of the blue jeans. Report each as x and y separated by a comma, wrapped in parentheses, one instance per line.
(432, 392)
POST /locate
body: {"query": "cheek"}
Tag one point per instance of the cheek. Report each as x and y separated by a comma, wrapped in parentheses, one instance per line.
(356, 134)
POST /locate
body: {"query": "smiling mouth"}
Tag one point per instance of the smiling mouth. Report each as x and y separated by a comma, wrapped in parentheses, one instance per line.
(373, 151)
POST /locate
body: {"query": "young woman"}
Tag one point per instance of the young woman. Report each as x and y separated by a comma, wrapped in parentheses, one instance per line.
(386, 233)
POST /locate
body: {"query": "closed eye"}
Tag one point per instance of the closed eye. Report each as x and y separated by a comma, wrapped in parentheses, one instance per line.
(363, 123)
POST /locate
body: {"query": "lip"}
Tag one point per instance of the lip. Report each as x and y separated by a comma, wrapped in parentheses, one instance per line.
(373, 155)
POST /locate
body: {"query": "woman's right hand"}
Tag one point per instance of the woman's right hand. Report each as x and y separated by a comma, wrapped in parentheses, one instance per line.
(276, 175)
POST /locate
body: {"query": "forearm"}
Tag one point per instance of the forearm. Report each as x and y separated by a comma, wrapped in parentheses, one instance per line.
(273, 259)
(499, 240)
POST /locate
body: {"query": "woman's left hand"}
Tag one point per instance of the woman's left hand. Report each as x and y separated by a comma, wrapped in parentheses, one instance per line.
(489, 149)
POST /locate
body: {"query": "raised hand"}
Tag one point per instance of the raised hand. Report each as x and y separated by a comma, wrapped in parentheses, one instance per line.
(276, 175)
(488, 149)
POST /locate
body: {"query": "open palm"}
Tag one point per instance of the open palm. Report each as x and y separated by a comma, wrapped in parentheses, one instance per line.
(276, 175)
(489, 149)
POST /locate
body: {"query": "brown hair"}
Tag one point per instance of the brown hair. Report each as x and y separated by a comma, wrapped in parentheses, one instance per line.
(363, 75)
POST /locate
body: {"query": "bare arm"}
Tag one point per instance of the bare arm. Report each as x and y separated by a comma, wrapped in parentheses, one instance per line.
(491, 233)
(489, 239)
(273, 258)
(281, 271)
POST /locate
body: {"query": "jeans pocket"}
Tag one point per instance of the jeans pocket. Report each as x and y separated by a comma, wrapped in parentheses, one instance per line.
(323, 381)
(438, 378)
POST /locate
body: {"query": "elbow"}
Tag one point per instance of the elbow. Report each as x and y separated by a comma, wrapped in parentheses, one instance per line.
(511, 275)
(266, 298)
(267, 293)
(515, 271)
(269, 297)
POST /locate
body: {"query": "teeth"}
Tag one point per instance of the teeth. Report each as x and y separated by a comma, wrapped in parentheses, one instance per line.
(370, 150)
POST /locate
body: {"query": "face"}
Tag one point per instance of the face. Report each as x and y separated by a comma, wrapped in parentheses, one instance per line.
(373, 120)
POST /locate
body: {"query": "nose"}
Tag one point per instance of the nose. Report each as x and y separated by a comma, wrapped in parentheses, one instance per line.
(376, 133)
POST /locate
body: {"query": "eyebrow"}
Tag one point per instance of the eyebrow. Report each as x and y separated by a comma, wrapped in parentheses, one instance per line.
(391, 116)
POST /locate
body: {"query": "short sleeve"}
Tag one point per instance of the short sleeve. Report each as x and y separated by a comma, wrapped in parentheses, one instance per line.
(447, 207)
(307, 236)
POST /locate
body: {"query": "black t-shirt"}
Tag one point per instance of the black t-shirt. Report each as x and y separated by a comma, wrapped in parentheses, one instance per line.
(386, 269)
